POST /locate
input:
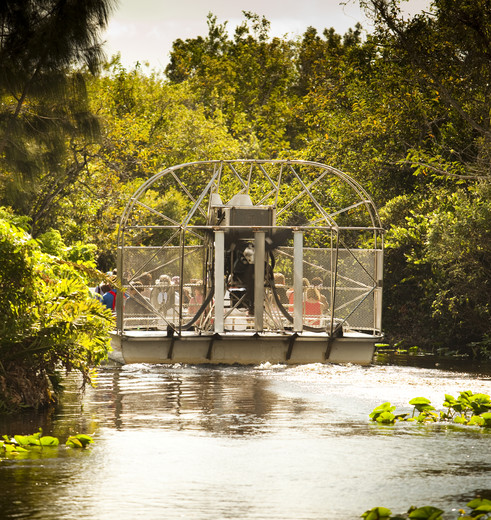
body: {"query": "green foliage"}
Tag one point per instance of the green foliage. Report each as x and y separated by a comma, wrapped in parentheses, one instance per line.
(468, 409)
(479, 508)
(421, 404)
(148, 125)
(36, 439)
(51, 242)
(437, 270)
(49, 320)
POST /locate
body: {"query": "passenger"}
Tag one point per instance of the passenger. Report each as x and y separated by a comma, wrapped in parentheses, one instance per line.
(163, 295)
(312, 307)
(146, 281)
(317, 283)
(186, 295)
(279, 283)
(136, 303)
(196, 300)
(109, 296)
(305, 284)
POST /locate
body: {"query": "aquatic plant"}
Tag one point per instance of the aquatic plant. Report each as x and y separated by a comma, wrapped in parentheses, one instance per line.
(22, 444)
(480, 509)
(468, 408)
(79, 441)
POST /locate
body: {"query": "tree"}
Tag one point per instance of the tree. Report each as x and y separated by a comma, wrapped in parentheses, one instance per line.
(248, 78)
(44, 119)
(438, 270)
(447, 51)
(438, 252)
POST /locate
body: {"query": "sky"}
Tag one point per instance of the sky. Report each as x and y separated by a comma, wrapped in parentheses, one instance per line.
(143, 30)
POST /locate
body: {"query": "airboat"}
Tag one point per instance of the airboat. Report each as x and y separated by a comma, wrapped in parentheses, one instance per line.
(248, 262)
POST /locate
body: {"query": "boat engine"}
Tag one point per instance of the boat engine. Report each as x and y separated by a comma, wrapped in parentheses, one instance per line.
(239, 219)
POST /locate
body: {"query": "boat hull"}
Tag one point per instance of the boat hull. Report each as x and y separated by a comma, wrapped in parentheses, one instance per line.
(242, 348)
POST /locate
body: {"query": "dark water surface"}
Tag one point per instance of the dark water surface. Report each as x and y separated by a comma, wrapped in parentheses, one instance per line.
(266, 442)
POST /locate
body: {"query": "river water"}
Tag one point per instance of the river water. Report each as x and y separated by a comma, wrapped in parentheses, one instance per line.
(264, 442)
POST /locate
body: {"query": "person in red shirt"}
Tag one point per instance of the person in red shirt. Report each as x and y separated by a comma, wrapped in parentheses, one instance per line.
(312, 307)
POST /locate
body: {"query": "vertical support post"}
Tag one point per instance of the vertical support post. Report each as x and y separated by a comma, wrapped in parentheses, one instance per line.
(119, 294)
(219, 279)
(259, 262)
(379, 268)
(181, 276)
(297, 281)
(334, 277)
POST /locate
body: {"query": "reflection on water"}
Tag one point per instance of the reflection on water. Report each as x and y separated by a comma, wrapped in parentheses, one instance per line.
(260, 442)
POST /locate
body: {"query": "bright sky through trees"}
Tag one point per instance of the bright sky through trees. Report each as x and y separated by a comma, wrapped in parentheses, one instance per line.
(144, 30)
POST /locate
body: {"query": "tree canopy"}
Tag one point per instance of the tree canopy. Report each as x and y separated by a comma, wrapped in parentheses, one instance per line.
(45, 123)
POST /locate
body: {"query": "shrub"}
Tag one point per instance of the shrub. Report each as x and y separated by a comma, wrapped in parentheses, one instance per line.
(49, 320)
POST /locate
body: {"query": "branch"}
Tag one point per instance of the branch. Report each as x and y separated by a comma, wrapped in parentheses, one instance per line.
(446, 173)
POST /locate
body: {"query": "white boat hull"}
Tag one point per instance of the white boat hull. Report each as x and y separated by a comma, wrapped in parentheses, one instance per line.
(242, 348)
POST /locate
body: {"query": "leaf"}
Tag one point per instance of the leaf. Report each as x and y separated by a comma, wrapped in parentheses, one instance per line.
(426, 513)
(487, 419)
(85, 439)
(386, 418)
(476, 419)
(401, 416)
(33, 440)
(377, 513)
(384, 407)
(79, 441)
(21, 440)
(49, 441)
(73, 442)
(449, 401)
(477, 502)
(419, 400)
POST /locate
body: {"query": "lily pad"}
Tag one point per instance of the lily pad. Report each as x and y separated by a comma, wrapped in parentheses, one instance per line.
(377, 513)
(426, 513)
(479, 502)
(419, 400)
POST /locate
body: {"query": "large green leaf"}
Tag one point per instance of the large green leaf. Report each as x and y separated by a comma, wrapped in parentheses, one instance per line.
(49, 441)
(479, 502)
(386, 418)
(384, 407)
(377, 513)
(419, 401)
(79, 441)
(426, 513)
(487, 419)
